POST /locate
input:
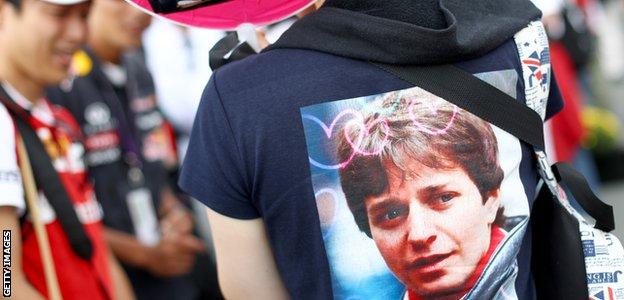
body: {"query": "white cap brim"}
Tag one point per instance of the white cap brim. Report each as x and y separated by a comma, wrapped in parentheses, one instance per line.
(65, 2)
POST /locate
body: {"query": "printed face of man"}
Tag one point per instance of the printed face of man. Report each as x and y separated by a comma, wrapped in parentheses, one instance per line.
(432, 227)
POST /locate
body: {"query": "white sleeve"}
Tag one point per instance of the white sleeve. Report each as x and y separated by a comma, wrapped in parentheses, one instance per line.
(11, 191)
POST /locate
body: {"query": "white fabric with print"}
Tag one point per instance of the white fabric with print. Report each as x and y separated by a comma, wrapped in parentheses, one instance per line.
(604, 255)
(10, 178)
(532, 44)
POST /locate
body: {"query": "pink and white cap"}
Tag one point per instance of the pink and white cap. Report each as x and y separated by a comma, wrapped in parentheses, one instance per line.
(230, 14)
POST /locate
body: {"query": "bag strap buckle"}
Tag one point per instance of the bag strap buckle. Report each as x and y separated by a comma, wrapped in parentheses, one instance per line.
(545, 171)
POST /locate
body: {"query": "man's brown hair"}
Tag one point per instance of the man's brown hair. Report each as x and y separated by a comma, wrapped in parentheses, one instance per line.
(414, 125)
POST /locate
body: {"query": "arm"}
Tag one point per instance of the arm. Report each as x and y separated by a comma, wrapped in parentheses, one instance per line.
(174, 255)
(121, 284)
(21, 288)
(126, 248)
(244, 273)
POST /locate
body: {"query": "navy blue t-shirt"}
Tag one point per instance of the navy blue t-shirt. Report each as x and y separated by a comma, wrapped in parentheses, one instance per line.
(287, 134)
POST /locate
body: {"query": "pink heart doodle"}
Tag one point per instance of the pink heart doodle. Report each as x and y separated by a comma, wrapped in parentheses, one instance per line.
(357, 147)
(433, 108)
(357, 116)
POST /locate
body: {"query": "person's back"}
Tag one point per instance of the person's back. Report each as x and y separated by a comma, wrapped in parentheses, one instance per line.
(355, 174)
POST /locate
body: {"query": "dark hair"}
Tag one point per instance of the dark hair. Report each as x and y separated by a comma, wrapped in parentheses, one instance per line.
(414, 125)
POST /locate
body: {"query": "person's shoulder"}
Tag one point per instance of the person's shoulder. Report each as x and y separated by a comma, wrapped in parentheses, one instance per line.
(4, 115)
(6, 122)
(272, 58)
(280, 66)
(10, 180)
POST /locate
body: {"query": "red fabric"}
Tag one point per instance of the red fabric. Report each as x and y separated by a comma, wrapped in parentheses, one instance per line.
(171, 138)
(496, 237)
(585, 4)
(567, 129)
(581, 3)
(78, 279)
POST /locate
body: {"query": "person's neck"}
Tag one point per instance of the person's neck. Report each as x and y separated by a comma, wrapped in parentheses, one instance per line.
(26, 86)
(104, 51)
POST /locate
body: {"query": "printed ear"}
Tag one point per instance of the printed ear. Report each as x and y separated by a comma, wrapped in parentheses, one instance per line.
(492, 205)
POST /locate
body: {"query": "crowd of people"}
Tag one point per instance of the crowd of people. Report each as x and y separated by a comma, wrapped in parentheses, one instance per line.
(76, 73)
(111, 96)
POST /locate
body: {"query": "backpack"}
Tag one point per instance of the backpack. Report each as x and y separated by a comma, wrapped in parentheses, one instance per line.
(572, 259)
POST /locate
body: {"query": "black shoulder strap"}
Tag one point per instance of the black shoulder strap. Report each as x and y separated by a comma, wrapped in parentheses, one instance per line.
(229, 49)
(46, 177)
(578, 186)
(476, 96)
(489, 103)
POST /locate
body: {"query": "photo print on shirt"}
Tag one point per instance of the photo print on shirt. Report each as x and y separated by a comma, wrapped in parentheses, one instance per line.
(417, 198)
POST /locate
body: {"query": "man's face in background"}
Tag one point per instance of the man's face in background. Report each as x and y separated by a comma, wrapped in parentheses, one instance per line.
(432, 227)
(39, 38)
(117, 24)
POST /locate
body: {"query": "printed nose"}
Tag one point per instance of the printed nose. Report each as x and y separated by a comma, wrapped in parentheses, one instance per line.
(421, 227)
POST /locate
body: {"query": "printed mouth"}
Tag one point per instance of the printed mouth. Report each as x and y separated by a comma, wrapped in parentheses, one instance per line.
(429, 263)
(170, 6)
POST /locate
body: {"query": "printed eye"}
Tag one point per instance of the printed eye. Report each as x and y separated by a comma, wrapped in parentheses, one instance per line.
(389, 216)
(447, 197)
(393, 214)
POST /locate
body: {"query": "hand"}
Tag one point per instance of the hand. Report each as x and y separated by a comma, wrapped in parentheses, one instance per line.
(177, 221)
(174, 255)
(176, 217)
